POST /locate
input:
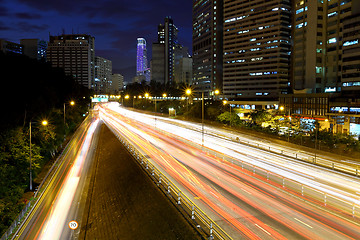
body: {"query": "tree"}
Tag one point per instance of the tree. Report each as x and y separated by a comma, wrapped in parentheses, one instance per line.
(260, 116)
(232, 119)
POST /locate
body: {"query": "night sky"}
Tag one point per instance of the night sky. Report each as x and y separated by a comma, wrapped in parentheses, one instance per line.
(115, 24)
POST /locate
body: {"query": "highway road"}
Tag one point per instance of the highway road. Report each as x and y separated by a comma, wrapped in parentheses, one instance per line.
(61, 201)
(310, 202)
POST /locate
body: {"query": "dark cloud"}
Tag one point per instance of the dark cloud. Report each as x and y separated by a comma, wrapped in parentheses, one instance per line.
(3, 11)
(101, 28)
(4, 28)
(28, 27)
(27, 16)
(64, 6)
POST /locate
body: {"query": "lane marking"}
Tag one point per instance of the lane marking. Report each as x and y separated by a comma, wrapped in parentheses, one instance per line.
(303, 223)
(246, 191)
(263, 229)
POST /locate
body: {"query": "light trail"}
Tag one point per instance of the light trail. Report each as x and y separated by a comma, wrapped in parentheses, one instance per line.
(333, 183)
(53, 226)
(244, 205)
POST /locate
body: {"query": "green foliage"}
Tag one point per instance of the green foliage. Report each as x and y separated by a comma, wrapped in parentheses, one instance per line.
(232, 119)
(35, 91)
(259, 116)
(15, 160)
(212, 112)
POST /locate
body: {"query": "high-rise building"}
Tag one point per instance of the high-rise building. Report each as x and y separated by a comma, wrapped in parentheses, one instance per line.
(350, 79)
(75, 53)
(103, 75)
(182, 65)
(317, 44)
(34, 48)
(117, 83)
(11, 47)
(167, 40)
(207, 46)
(141, 60)
(158, 62)
(256, 46)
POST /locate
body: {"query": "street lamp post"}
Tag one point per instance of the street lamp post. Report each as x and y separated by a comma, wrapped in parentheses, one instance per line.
(44, 123)
(216, 92)
(188, 93)
(126, 97)
(225, 102)
(72, 103)
(202, 118)
(282, 109)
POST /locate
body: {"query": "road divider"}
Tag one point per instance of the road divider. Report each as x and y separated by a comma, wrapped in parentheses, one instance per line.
(201, 220)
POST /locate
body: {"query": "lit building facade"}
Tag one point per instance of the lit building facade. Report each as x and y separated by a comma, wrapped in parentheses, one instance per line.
(141, 60)
(34, 48)
(256, 47)
(75, 53)
(103, 75)
(350, 80)
(207, 45)
(117, 83)
(318, 42)
(168, 36)
(163, 53)
(11, 47)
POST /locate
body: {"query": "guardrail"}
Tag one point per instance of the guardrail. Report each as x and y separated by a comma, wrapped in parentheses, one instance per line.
(309, 158)
(313, 159)
(203, 222)
(307, 193)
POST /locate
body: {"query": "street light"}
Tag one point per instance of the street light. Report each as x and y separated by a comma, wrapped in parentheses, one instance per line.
(202, 118)
(225, 102)
(44, 123)
(216, 92)
(282, 109)
(126, 97)
(72, 103)
(188, 93)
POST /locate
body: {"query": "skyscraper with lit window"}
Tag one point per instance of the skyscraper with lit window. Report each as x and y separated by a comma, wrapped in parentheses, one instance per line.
(163, 61)
(141, 60)
(318, 41)
(207, 45)
(350, 78)
(256, 49)
(75, 53)
(103, 75)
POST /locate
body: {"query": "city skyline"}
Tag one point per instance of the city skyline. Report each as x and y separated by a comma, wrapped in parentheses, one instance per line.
(115, 24)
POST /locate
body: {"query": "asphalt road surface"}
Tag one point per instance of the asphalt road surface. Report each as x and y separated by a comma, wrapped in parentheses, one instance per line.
(123, 203)
(246, 203)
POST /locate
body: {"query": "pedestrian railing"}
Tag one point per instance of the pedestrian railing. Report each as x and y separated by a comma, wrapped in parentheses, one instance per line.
(16, 222)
